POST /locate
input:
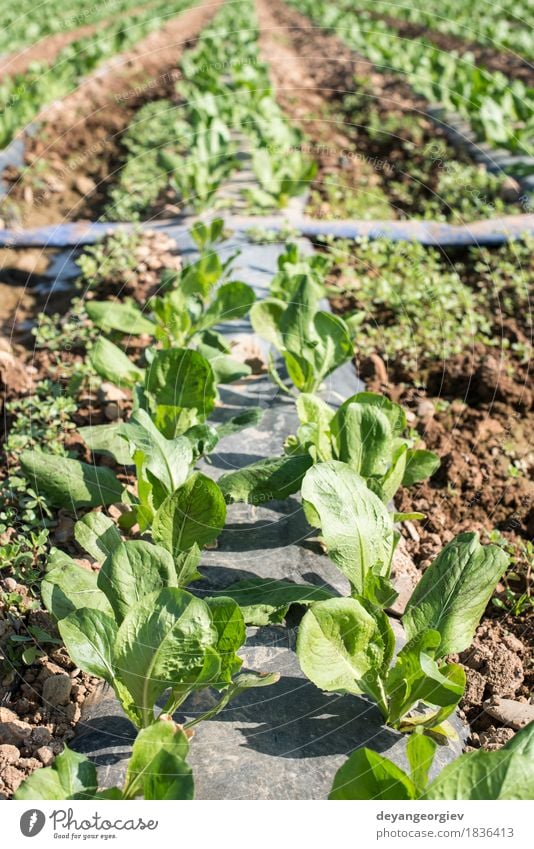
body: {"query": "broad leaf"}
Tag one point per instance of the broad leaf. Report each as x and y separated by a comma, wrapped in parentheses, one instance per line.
(195, 513)
(106, 439)
(72, 776)
(228, 620)
(226, 369)
(182, 378)
(127, 318)
(363, 438)
(167, 460)
(231, 301)
(264, 601)
(112, 364)
(70, 483)
(505, 774)
(132, 571)
(366, 775)
(97, 534)
(355, 524)
(157, 768)
(340, 648)
(419, 466)
(164, 641)
(67, 587)
(186, 564)
(420, 750)
(315, 419)
(454, 591)
(266, 480)
(89, 636)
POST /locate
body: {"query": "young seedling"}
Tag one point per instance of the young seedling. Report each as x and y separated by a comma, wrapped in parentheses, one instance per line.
(157, 769)
(136, 627)
(505, 774)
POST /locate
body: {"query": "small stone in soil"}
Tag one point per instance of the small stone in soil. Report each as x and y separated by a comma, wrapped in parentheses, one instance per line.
(56, 690)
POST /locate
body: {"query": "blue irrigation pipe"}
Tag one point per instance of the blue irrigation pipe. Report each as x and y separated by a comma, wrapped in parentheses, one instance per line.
(494, 231)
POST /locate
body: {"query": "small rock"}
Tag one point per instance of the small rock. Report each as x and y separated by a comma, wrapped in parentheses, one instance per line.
(13, 730)
(425, 409)
(110, 392)
(9, 754)
(49, 668)
(14, 375)
(112, 411)
(29, 764)
(117, 510)
(474, 688)
(73, 712)
(41, 736)
(45, 755)
(511, 642)
(84, 184)
(511, 713)
(488, 427)
(495, 738)
(10, 585)
(510, 190)
(56, 690)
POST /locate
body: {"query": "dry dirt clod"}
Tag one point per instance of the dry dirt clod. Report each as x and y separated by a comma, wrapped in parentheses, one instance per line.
(13, 730)
(9, 754)
(45, 755)
(14, 377)
(373, 367)
(12, 778)
(41, 736)
(495, 738)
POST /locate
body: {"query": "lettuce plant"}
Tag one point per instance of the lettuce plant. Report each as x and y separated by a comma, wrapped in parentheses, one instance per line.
(137, 628)
(367, 433)
(157, 769)
(192, 303)
(346, 644)
(312, 342)
(505, 774)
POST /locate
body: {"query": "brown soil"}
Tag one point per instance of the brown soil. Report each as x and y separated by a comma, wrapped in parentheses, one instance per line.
(486, 422)
(78, 151)
(367, 130)
(302, 92)
(40, 709)
(506, 62)
(45, 50)
(41, 702)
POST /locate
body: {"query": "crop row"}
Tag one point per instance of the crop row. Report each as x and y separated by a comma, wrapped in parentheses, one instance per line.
(24, 95)
(226, 108)
(500, 27)
(138, 624)
(501, 111)
(26, 24)
(144, 622)
(181, 153)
